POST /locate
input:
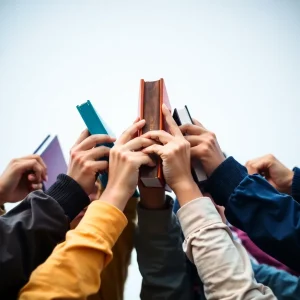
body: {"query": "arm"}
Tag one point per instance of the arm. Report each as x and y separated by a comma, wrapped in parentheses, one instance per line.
(284, 285)
(160, 257)
(271, 219)
(78, 261)
(296, 185)
(30, 231)
(117, 270)
(222, 265)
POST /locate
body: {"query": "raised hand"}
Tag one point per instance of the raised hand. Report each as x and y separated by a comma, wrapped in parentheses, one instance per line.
(22, 176)
(124, 163)
(175, 154)
(84, 155)
(204, 146)
(273, 170)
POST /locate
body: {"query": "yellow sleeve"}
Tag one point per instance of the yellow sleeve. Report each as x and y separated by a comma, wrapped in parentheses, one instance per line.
(73, 269)
(114, 275)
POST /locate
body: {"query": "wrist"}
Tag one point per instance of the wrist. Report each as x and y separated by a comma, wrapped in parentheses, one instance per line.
(115, 197)
(187, 191)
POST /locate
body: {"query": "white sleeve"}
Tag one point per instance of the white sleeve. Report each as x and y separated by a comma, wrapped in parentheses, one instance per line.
(223, 265)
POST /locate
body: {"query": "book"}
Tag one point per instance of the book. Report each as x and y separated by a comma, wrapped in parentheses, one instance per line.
(182, 116)
(152, 95)
(51, 153)
(96, 125)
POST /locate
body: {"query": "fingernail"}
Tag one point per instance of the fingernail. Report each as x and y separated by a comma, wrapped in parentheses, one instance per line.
(46, 178)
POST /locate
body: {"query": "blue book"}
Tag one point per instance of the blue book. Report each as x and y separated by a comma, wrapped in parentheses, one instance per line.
(96, 125)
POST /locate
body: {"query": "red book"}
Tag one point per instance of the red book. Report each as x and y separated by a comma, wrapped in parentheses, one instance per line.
(152, 95)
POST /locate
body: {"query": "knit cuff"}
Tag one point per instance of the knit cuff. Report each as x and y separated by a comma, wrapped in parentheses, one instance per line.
(296, 184)
(223, 181)
(69, 195)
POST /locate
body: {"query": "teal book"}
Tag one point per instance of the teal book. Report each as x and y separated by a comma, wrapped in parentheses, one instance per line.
(96, 125)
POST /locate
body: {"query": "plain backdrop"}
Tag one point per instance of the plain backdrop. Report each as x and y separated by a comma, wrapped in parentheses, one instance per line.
(236, 64)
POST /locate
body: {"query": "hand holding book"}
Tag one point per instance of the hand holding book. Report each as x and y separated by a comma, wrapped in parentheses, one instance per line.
(204, 146)
(125, 160)
(84, 165)
(175, 154)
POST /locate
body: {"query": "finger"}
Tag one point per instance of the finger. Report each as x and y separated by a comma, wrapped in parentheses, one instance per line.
(130, 132)
(94, 140)
(84, 134)
(159, 136)
(143, 159)
(37, 157)
(136, 120)
(98, 152)
(138, 143)
(156, 149)
(36, 186)
(40, 161)
(190, 129)
(194, 140)
(99, 166)
(257, 166)
(32, 165)
(173, 127)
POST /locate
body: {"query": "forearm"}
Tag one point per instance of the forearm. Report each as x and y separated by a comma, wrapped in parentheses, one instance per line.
(161, 260)
(78, 261)
(254, 206)
(209, 245)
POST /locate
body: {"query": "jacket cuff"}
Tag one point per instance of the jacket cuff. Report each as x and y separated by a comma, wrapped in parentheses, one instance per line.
(296, 184)
(197, 214)
(156, 221)
(69, 195)
(225, 179)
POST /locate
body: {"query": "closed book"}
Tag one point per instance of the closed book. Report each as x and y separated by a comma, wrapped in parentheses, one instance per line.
(96, 125)
(152, 95)
(182, 117)
(52, 155)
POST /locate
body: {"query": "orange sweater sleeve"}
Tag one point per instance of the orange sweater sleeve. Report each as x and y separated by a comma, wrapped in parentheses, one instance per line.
(73, 269)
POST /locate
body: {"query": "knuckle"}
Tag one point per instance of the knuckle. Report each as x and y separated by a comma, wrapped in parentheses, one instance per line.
(86, 166)
(270, 157)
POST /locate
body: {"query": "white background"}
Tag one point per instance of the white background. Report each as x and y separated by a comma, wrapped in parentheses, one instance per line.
(236, 64)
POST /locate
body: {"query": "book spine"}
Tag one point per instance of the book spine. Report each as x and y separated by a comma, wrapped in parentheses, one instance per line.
(151, 112)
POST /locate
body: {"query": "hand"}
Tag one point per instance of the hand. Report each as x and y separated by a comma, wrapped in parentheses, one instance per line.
(22, 176)
(204, 146)
(175, 155)
(279, 176)
(84, 155)
(124, 163)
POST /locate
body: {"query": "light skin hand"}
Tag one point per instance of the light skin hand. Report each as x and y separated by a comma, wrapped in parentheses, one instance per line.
(204, 146)
(84, 155)
(124, 163)
(22, 176)
(278, 175)
(175, 154)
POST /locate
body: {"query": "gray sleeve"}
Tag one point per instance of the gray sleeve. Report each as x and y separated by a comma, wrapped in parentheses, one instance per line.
(161, 260)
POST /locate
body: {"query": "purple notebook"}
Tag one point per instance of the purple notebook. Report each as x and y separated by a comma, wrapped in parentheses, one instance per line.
(51, 152)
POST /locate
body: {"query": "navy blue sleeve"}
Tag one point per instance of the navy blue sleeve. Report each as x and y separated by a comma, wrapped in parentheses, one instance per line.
(296, 185)
(271, 219)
